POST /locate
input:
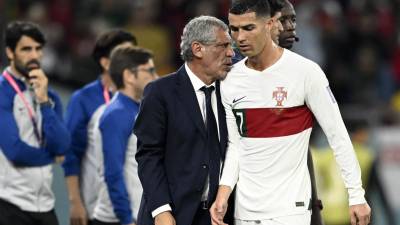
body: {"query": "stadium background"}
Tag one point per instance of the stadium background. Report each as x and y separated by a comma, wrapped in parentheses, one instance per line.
(356, 42)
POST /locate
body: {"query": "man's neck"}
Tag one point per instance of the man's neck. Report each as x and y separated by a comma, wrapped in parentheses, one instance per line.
(131, 93)
(266, 58)
(198, 70)
(106, 79)
(15, 72)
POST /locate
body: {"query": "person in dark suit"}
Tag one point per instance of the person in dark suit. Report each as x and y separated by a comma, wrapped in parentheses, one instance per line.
(181, 130)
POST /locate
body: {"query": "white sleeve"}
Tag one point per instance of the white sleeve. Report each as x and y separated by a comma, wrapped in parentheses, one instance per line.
(161, 209)
(322, 103)
(230, 172)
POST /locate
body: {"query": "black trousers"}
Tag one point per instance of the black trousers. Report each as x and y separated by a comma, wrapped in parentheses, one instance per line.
(202, 216)
(11, 214)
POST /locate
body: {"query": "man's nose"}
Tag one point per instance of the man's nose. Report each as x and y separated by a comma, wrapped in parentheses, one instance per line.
(288, 25)
(280, 26)
(241, 36)
(230, 52)
(35, 54)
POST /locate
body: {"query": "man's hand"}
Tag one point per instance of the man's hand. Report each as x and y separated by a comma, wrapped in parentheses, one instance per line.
(220, 205)
(360, 214)
(164, 218)
(218, 211)
(78, 214)
(59, 159)
(39, 82)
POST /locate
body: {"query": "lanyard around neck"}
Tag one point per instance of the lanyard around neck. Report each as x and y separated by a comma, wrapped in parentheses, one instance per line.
(106, 94)
(31, 112)
(14, 85)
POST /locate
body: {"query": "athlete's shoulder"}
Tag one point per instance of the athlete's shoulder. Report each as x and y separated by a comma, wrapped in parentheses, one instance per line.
(239, 66)
(237, 71)
(305, 68)
(297, 60)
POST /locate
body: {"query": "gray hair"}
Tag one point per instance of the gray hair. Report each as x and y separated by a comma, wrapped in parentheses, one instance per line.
(201, 29)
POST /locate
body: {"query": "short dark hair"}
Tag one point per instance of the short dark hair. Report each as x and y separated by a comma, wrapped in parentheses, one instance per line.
(126, 57)
(276, 6)
(107, 41)
(16, 29)
(260, 7)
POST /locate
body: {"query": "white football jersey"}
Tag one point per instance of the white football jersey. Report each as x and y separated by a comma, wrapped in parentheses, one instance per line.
(270, 115)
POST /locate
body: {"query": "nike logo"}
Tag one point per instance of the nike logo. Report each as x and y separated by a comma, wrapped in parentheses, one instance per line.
(236, 100)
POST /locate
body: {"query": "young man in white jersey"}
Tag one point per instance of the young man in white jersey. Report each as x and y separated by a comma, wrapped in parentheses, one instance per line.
(271, 98)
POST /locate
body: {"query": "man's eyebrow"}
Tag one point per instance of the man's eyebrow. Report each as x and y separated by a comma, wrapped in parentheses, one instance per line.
(248, 26)
(26, 47)
(243, 27)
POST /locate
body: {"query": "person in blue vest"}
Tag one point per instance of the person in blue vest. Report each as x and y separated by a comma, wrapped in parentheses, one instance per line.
(81, 164)
(32, 133)
(131, 69)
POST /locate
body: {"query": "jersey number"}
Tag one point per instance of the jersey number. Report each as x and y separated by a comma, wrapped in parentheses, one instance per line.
(241, 121)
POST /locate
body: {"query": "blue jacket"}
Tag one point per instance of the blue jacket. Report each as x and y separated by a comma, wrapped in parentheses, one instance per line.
(83, 104)
(119, 198)
(25, 164)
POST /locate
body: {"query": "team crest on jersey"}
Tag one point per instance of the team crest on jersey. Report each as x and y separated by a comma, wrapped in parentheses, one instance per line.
(279, 95)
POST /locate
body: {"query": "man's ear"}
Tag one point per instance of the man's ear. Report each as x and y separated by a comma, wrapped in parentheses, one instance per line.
(197, 49)
(9, 53)
(128, 77)
(105, 63)
(270, 23)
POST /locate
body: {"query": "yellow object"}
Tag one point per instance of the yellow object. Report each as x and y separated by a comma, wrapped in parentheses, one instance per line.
(157, 39)
(395, 101)
(330, 184)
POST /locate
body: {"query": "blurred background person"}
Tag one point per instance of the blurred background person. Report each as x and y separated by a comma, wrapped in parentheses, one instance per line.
(32, 132)
(81, 164)
(131, 69)
(329, 181)
(287, 36)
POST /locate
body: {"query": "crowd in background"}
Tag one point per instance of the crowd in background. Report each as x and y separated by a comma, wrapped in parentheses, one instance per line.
(356, 42)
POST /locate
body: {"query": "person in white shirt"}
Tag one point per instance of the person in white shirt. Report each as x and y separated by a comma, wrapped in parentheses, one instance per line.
(271, 99)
